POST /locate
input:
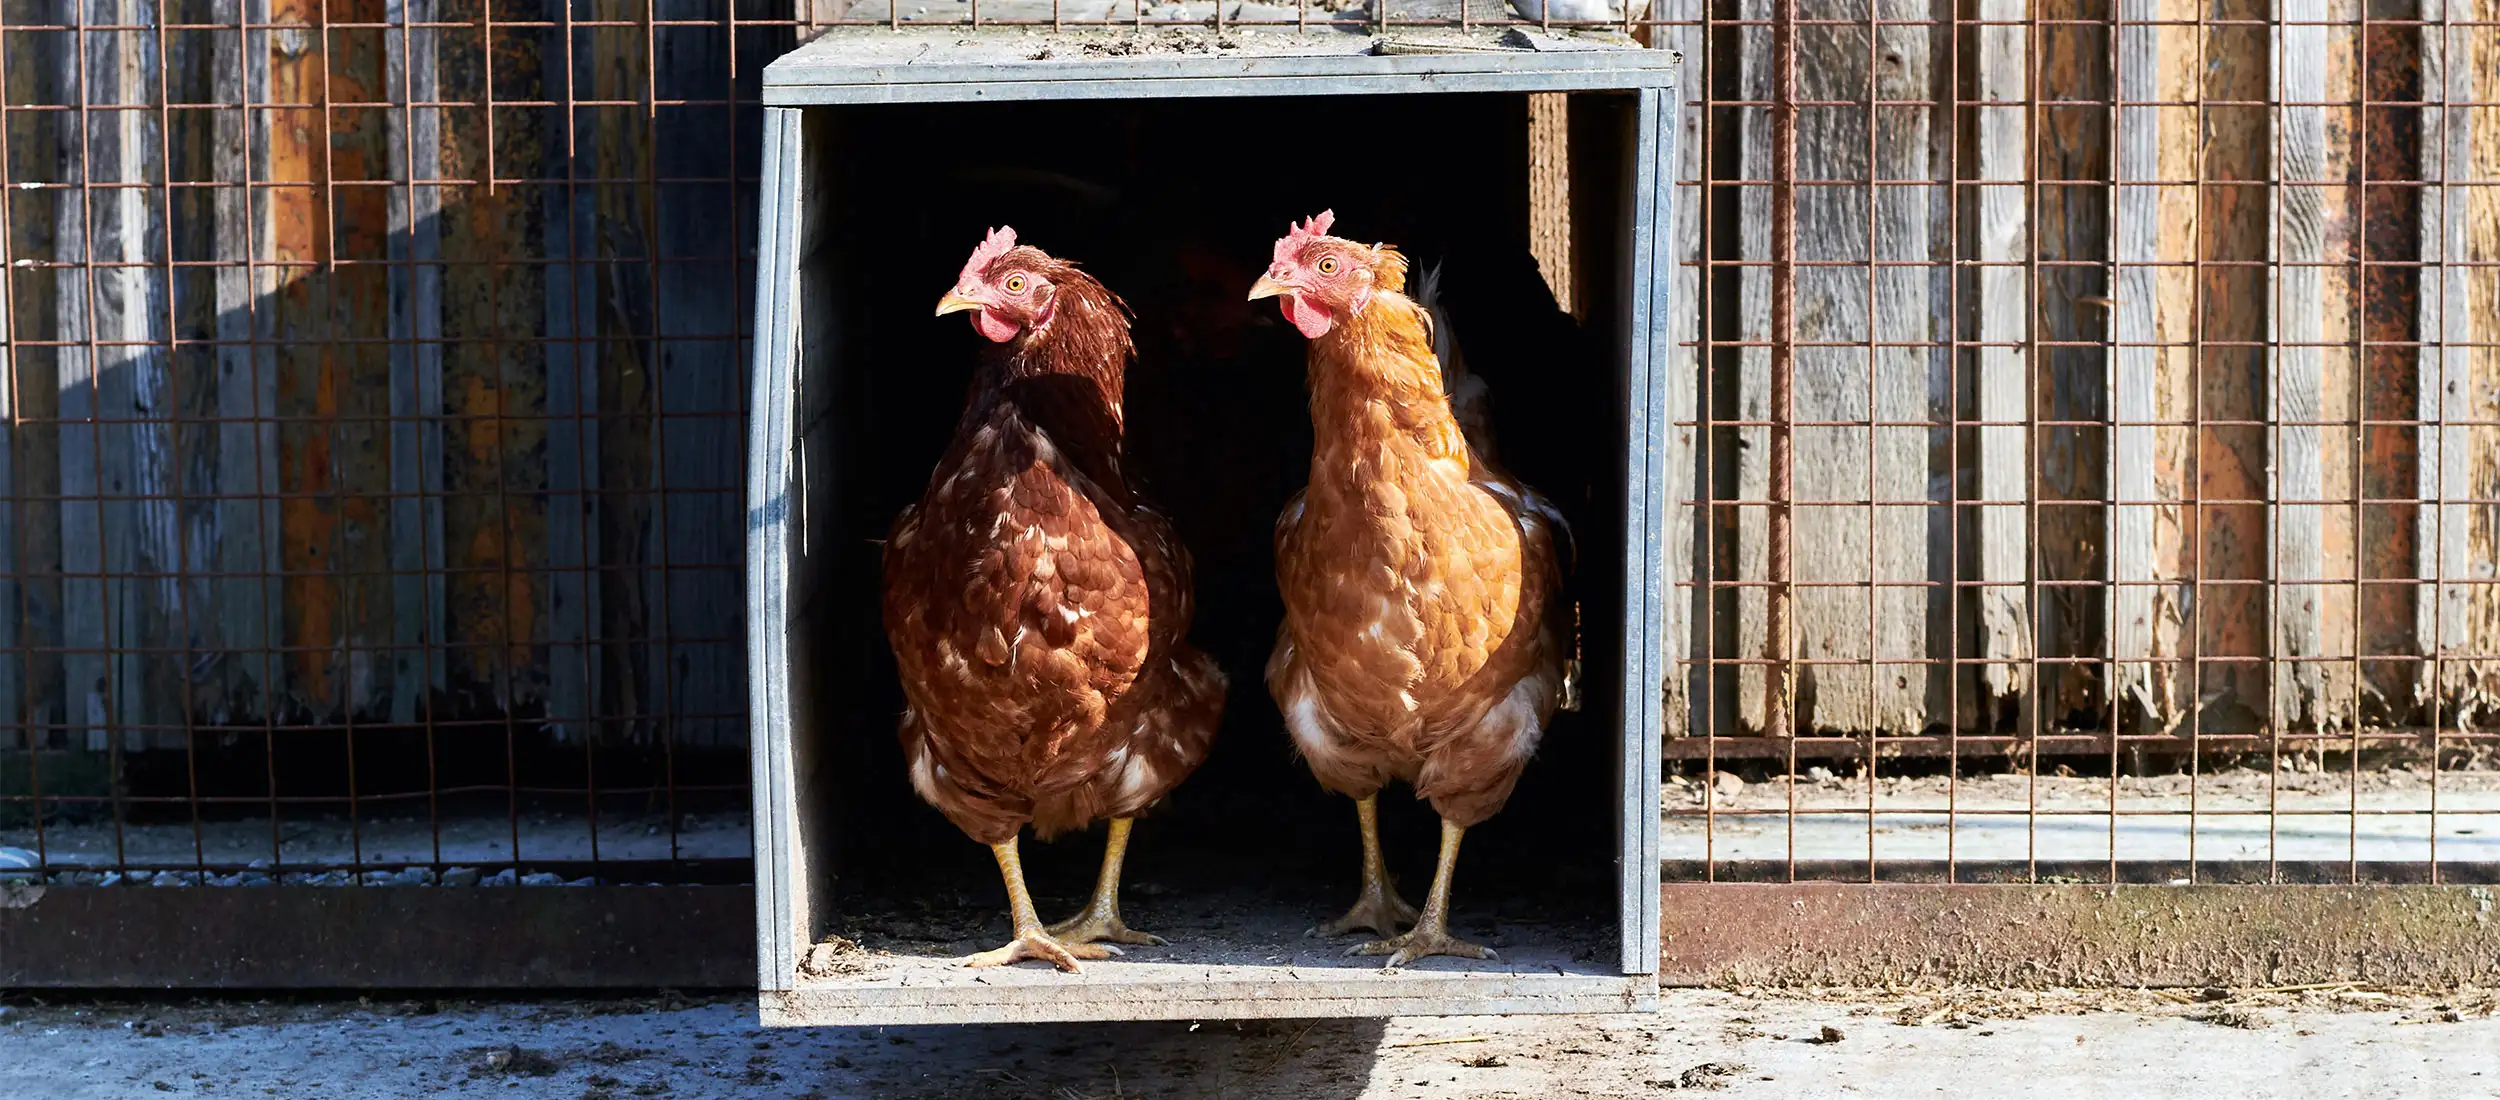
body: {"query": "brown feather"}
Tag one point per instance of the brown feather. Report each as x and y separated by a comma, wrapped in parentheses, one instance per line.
(1424, 635)
(1036, 606)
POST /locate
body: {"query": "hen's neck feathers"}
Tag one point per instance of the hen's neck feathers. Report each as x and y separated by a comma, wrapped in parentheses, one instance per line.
(1381, 357)
(1065, 378)
(1087, 336)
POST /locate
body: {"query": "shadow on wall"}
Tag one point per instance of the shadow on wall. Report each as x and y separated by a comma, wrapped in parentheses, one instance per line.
(338, 448)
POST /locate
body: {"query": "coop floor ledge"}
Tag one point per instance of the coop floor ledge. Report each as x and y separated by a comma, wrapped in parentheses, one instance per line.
(1245, 969)
(1235, 953)
(937, 991)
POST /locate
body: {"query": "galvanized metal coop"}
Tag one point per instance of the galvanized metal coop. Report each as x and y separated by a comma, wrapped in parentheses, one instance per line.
(886, 155)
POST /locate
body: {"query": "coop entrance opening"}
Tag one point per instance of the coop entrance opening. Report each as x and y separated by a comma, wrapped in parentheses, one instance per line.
(1174, 204)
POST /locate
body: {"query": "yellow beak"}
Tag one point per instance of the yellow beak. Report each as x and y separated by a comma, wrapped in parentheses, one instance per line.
(1267, 288)
(955, 303)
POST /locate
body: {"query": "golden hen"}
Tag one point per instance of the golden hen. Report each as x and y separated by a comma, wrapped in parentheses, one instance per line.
(1425, 635)
(1037, 607)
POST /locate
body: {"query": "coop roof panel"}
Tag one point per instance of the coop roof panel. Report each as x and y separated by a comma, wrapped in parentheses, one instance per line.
(961, 64)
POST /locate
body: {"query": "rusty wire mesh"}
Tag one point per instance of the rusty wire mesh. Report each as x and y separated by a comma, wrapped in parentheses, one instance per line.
(2092, 467)
(2094, 459)
(375, 380)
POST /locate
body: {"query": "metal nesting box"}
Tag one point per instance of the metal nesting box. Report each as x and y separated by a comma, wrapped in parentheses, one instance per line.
(840, 438)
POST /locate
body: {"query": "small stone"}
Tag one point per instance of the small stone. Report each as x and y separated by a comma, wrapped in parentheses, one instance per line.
(177, 878)
(504, 877)
(413, 876)
(1830, 1035)
(460, 876)
(111, 878)
(1728, 784)
(256, 879)
(142, 877)
(261, 864)
(585, 880)
(542, 878)
(1819, 774)
(377, 878)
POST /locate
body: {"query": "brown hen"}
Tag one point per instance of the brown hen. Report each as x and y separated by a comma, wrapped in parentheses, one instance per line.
(1425, 638)
(1037, 607)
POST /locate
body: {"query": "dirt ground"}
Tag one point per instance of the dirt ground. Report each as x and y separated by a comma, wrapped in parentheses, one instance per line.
(2342, 1041)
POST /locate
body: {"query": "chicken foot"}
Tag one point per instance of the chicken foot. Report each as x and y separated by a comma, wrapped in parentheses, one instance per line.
(1101, 919)
(1377, 908)
(1032, 940)
(1431, 934)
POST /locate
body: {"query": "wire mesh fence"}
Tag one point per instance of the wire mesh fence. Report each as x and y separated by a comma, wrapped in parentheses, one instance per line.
(2093, 460)
(2093, 466)
(375, 375)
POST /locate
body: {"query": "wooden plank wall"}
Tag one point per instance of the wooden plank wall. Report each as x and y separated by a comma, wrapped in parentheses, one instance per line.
(402, 451)
(2469, 534)
(342, 447)
(2175, 351)
(1843, 298)
(1686, 522)
(1997, 65)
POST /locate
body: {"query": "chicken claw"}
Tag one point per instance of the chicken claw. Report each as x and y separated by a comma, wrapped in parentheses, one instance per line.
(1101, 919)
(1095, 927)
(1032, 941)
(1378, 908)
(1424, 942)
(1041, 945)
(1431, 934)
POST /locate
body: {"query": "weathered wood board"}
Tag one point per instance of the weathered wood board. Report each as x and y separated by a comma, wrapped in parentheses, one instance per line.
(381, 426)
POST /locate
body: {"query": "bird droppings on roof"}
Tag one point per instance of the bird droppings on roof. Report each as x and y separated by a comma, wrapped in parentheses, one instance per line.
(1329, 34)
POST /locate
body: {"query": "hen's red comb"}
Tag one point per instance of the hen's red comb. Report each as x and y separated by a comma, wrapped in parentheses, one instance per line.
(992, 247)
(1289, 247)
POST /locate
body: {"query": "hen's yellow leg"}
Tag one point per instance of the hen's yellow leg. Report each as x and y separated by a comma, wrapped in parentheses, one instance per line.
(1378, 908)
(1032, 940)
(1431, 935)
(1101, 919)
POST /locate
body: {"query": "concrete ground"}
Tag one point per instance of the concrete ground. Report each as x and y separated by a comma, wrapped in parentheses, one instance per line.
(2323, 1042)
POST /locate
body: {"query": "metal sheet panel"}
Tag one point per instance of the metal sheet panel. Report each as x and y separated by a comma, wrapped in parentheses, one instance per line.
(1649, 465)
(790, 997)
(882, 67)
(770, 488)
(1417, 993)
(383, 937)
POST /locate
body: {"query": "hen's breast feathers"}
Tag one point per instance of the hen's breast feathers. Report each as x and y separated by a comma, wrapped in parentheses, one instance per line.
(1024, 599)
(1418, 578)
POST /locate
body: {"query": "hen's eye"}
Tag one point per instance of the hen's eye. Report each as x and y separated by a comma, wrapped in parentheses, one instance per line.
(1015, 284)
(1328, 265)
